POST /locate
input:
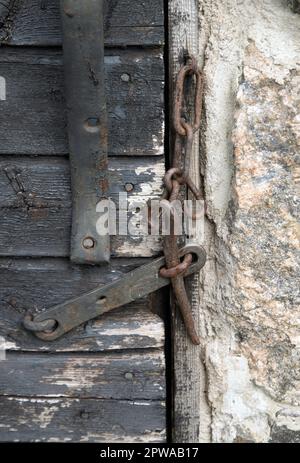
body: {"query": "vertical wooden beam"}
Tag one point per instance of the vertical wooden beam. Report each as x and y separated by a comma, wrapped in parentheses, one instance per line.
(183, 36)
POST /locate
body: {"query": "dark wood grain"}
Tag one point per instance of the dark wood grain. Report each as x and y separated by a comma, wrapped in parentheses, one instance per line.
(33, 119)
(127, 376)
(127, 23)
(81, 420)
(35, 204)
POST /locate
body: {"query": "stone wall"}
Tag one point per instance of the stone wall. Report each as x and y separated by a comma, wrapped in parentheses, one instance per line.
(250, 288)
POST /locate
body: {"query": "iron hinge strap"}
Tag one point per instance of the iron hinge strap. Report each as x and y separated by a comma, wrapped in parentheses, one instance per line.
(134, 285)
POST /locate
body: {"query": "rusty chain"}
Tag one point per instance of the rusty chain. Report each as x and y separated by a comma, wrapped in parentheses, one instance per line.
(175, 179)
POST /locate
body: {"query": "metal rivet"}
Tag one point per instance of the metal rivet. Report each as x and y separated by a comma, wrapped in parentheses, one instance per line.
(125, 77)
(128, 187)
(88, 243)
(128, 376)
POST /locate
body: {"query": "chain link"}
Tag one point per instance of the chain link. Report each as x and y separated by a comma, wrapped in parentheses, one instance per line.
(35, 327)
(176, 178)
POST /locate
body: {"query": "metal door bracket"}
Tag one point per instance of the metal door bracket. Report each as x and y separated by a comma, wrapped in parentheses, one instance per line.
(138, 283)
(83, 45)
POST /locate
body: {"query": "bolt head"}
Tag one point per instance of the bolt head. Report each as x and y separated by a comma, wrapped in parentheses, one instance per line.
(88, 243)
(125, 77)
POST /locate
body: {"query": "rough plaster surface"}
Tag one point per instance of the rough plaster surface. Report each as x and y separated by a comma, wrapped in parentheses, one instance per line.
(250, 289)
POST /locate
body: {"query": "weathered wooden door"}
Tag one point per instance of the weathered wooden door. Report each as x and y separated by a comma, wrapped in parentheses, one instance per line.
(104, 381)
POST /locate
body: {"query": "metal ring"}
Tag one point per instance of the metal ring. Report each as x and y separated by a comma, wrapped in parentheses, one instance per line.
(178, 269)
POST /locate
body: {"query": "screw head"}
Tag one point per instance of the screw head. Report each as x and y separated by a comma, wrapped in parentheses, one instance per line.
(88, 243)
(128, 376)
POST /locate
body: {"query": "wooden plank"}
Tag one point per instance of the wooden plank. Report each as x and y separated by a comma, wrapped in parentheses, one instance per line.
(127, 23)
(48, 178)
(81, 420)
(35, 204)
(37, 284)
(127, 376)
(187, 380)
(33, 119)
